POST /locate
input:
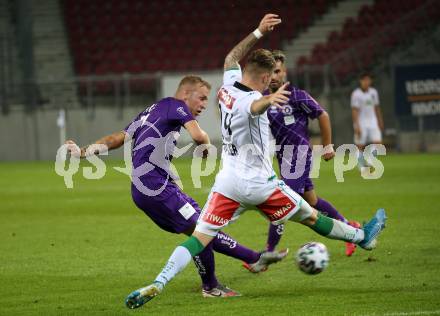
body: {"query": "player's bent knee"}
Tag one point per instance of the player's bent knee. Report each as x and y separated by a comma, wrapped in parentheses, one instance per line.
(311, 197)
(203, 238)
(306, 214)
(310, 221)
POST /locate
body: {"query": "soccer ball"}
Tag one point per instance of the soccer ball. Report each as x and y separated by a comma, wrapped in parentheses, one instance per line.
(312, 258)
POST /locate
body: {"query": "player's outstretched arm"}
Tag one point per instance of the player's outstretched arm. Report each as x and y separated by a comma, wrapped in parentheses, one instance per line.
(278, 98)
(241, 49)
(197, 134)
(110, 142)
(326, 135)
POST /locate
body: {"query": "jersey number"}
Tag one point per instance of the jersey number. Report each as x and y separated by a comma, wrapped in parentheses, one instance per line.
(147, 112)
(227, 123)
(228, 146)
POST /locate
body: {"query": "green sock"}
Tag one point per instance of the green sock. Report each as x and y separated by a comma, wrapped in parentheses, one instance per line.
(193, 245)
(335, 229)
(323, 225)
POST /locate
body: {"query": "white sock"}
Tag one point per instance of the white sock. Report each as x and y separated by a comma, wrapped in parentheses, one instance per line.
(346, 232)
(176, 263)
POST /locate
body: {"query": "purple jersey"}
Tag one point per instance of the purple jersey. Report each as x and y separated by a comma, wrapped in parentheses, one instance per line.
(289, 127)
(154, 132)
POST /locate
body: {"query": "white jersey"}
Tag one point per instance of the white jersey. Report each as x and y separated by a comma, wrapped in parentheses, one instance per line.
(365, 102)
(246, 150)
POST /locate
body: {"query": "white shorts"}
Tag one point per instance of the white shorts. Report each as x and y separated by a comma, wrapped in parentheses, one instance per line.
(229, 199)
(368, 135)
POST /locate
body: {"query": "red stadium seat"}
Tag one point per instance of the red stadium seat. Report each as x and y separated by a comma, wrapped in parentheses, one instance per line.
(303, 60)
(137, 36)
(363, 39)
(111, 36)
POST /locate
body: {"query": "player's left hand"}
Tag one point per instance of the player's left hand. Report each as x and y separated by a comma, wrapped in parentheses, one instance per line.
(329, 153)
(280, 97)
(268, 23)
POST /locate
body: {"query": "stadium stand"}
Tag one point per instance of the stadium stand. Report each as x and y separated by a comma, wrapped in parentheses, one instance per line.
(332, 20)
(386, 25)
(113, 37)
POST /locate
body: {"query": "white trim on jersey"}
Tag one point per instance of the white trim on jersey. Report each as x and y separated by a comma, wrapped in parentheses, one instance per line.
(232, 75)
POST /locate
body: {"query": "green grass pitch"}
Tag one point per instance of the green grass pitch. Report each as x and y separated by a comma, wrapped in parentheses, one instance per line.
(81, 251)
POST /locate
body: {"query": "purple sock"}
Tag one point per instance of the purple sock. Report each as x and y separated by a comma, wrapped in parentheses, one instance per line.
(327, 209)
(228, 246)
(274, 236)
(205, 264)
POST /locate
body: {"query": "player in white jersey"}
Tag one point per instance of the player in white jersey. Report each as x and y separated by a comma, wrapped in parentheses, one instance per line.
(246, 157)
(367, 116)
(247, 179)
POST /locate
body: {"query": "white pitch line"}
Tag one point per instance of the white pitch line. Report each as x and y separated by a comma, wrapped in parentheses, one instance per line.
(415, 313)
(437, 312)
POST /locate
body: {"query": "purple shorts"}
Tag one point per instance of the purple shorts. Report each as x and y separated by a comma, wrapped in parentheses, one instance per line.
(303, 183)
(172, 210)
(300, 185)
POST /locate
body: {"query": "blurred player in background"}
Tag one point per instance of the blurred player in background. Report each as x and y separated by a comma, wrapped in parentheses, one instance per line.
(367, 117)
(153, 189)
(247, 179)
(289, 127)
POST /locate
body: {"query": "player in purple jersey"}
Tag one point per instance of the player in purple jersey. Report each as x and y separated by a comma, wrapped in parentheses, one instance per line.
(289, 127)
(154, 133)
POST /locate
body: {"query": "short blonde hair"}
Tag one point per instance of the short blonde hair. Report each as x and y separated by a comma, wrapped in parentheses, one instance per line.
(193, 81)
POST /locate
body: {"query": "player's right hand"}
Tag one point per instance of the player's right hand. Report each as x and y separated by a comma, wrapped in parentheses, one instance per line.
(268, 23)
(73, 148)
(329, 153)
(280, 97)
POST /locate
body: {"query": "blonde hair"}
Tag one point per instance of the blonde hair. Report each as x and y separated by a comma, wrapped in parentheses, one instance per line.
(193, 81)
